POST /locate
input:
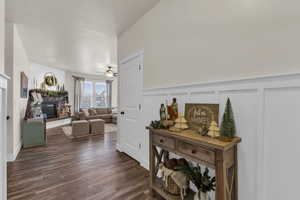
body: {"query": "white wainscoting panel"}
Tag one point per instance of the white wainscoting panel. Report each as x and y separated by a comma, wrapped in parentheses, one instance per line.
(245, 108)
(281, 147)
(148, 114)
(203, 97)
(267, 116)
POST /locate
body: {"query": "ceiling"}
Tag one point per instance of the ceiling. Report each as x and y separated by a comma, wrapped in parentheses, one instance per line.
(75, 35)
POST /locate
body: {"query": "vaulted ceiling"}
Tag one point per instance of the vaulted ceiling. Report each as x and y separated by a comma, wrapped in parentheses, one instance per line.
(76, 35)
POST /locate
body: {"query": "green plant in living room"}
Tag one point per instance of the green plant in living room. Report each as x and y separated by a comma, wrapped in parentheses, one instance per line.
(203, 181)
(156, 125)
(50, 93)
(228, 130)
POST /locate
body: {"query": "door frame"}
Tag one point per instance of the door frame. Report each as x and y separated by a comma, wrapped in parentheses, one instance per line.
(139, 54)
(3, 136)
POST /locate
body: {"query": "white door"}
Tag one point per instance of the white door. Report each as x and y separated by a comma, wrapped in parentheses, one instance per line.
(130, 97)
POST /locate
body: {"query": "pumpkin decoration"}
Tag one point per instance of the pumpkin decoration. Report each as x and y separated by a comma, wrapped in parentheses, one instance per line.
(50, 79)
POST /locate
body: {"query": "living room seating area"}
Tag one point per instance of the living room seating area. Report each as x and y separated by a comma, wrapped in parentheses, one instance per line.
(105, 114)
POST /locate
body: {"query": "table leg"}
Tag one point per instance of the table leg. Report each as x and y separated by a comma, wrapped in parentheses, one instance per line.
(220, 176)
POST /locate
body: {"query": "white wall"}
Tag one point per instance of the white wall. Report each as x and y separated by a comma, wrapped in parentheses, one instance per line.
(38, 72)
(16, 61)
(206, 40)
(2, 31)
(266, 113)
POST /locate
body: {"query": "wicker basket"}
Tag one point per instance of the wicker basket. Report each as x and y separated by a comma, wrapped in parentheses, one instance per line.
(171, 187)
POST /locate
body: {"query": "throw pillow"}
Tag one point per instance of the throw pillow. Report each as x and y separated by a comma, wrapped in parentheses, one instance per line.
(92, 112)
(109, 110)
(81, 116)
(101, 111)
(85, 112)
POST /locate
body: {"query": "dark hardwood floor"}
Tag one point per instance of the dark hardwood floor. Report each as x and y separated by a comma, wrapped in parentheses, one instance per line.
(82, 169)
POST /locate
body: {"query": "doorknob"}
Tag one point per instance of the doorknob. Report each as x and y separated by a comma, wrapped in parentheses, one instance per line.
(7, 117)
(122, 113)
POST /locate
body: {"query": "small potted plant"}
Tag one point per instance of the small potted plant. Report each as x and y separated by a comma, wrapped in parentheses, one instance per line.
(203, 182)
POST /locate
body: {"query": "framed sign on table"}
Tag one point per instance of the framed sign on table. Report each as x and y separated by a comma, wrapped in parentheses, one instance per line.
(199, 116)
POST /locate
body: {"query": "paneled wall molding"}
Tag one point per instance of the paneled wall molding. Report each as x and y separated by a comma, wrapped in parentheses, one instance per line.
(259, 105)
(272, 80)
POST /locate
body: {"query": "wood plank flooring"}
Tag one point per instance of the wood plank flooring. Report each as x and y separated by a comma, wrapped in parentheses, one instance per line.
(82, 169)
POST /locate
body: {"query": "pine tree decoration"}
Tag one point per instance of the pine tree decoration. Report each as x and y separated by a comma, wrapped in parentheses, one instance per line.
(228, 125)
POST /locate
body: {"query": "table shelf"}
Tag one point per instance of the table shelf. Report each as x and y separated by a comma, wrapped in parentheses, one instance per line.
(158, 187)
(219, 155)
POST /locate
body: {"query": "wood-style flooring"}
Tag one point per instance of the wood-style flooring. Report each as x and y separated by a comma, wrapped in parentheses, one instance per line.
(80, 169)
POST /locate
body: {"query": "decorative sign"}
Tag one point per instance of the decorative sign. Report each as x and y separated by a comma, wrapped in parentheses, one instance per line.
(200, 116)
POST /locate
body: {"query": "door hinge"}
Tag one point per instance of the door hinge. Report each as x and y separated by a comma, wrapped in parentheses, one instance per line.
(140, 145)
(140, 107)
(140, 67)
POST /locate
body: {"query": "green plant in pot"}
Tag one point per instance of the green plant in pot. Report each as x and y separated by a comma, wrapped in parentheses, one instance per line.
(203, 181)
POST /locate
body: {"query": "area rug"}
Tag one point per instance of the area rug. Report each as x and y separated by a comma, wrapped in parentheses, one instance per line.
(108, 128)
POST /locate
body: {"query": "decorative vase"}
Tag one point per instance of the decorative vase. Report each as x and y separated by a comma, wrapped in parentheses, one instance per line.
(201, 196)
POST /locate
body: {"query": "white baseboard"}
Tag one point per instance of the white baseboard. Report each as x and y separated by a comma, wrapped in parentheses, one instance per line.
(145, 164)
(13, 156)
(118, 147)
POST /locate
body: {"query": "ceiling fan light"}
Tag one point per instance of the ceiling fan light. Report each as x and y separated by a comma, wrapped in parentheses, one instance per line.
(109, 73)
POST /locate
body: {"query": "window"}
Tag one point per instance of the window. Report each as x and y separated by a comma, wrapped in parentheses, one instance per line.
(100, 95)
(87, 95)
(93, 95)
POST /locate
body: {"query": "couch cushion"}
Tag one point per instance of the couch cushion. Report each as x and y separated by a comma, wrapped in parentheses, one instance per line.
(85, 111)
(92, 112)
(105, 116)
(81, 116)
(101, 111)
(92, 117)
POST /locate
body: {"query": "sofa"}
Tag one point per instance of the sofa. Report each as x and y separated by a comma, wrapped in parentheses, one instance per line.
(94, 113)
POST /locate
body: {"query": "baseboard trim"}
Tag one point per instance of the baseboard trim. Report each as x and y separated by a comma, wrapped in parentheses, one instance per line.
(145, 164)
(118, 147)
(13, 156)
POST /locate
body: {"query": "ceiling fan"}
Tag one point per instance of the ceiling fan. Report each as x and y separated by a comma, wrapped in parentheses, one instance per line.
(110, 73)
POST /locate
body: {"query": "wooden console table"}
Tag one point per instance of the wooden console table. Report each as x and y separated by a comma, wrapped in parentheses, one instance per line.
(213, 153)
